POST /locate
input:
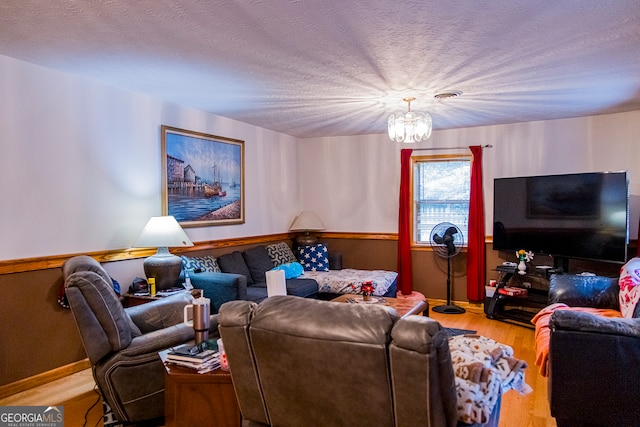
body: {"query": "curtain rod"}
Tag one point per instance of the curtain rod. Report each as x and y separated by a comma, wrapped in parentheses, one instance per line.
(450, 148)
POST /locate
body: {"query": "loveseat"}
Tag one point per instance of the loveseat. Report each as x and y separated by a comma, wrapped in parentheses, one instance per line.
(589, 352)
(241, 275)
(304, 362)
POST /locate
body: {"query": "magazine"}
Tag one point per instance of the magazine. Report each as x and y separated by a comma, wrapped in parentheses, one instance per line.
(201, 368)
(186, 354)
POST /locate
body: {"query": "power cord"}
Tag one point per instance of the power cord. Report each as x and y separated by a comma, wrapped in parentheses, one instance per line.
(86, 414)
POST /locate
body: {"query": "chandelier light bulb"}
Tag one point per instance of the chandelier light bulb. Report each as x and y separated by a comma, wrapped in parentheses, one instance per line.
(409, 127)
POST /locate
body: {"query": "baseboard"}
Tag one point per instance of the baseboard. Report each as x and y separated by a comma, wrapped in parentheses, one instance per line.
(43, 378)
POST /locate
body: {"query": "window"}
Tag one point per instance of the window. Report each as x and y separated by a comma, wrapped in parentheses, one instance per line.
(441, 187)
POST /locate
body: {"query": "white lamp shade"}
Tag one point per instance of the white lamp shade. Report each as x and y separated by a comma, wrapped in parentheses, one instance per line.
(162, 231)
(306, 221)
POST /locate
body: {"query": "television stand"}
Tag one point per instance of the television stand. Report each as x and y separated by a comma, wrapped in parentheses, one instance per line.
(560, 264)
(518, 308)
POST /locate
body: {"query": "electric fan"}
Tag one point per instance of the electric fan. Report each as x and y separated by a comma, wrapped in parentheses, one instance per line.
(446, 240)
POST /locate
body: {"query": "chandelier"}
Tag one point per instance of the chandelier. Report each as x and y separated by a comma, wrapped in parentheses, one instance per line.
(409, 127)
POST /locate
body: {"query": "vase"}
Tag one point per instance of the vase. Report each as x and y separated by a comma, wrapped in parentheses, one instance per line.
(522, 268)
(366, 297)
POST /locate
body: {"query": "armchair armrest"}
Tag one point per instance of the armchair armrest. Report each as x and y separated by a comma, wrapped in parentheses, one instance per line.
(584, 291)
(160, 313)
(162, 339)
(592, 362)
(220, 287)
(577, 321)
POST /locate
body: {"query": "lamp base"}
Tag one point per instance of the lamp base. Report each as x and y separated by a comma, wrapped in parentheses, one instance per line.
(306, 240)
(164, 267)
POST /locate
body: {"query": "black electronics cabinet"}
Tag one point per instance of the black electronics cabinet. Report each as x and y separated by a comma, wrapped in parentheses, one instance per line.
(519, 309)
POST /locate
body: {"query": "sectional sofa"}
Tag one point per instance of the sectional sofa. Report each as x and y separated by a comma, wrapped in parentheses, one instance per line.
(242, 275)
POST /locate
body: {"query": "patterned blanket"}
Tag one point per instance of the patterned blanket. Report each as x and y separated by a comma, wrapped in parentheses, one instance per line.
(348, 280)
(483, 370)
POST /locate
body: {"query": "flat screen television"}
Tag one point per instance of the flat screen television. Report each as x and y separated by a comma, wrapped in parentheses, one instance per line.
(582, 215)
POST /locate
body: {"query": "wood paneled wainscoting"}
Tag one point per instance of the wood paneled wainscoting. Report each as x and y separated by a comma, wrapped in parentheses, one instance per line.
(38, 337)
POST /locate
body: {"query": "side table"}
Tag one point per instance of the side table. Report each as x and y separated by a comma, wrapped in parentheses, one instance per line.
(193, 399)
(133, 299)
(403, 307)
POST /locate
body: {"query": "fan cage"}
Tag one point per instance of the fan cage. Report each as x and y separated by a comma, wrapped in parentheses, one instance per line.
(441, 249)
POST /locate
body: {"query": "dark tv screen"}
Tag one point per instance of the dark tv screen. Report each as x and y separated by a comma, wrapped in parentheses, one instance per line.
(582, 215)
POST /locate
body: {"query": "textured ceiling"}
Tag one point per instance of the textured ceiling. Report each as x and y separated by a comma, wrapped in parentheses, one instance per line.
(339, 67)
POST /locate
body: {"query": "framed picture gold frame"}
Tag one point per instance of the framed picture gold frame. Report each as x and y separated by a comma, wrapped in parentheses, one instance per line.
(202, 178)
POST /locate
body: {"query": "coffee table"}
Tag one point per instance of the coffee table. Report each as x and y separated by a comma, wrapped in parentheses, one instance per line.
(404, 307)
(193, 399)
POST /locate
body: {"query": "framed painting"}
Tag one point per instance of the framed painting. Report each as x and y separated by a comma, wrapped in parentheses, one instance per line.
(202, 178)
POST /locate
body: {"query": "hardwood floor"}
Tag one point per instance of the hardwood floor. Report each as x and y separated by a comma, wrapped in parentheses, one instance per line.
(75, 392)
(531, 410)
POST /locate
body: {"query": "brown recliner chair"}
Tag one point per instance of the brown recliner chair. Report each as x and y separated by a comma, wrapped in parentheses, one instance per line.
(123, 344)
(305, 362)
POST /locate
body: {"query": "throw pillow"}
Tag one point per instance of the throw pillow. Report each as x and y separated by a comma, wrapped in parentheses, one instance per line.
(234, 263)
(258, 262)
(314, 257)
(629, 283)
(205, 263)
(280, 253)
(291, 269)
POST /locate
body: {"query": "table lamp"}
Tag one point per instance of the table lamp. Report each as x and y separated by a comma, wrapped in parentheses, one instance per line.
(307, 221)
(163, 232)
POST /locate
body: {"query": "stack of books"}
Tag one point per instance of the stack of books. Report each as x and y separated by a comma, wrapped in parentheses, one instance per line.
(202, 361)
(513, 291)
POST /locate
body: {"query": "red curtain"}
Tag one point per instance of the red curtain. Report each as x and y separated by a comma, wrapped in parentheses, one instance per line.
(405, 277)
(476, 247)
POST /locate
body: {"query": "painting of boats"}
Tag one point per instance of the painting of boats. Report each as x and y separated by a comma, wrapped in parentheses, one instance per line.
(212, 190)
(194, 189)
(215, 188)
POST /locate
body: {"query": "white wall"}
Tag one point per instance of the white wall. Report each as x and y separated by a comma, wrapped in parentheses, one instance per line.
(352, 182)
(80, 165)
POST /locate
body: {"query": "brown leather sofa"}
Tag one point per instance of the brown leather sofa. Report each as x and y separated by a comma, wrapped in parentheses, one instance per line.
(305, 362)
(123, 344)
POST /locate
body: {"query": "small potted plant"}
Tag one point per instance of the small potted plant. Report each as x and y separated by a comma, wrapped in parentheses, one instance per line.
(366, 289)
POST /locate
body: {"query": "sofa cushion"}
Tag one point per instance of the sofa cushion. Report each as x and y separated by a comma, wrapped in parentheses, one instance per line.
(280, 253)
(204, 263)
(314, 257)
(584, 291)
(234, 263)
(258, 262)
(302, 287)
(256, 294)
